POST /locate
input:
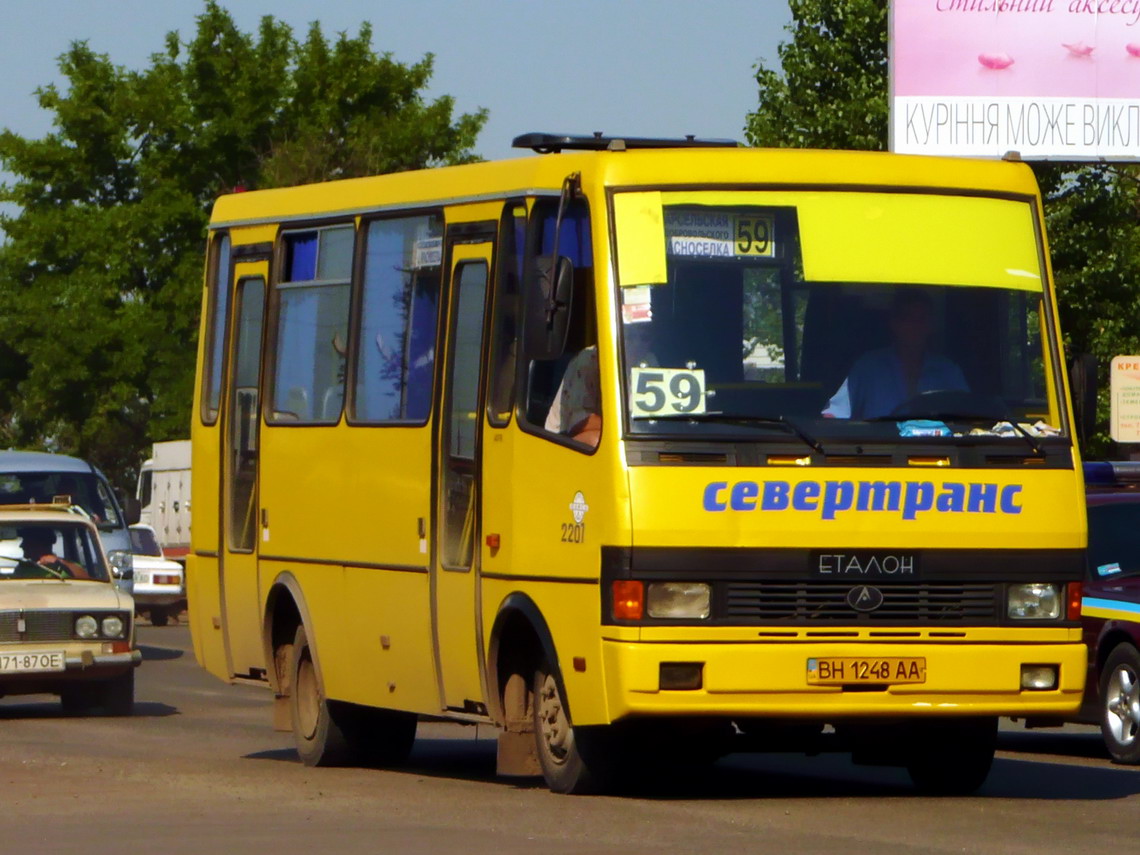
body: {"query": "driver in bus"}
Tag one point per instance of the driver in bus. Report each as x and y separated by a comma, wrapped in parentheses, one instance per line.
(882, 380)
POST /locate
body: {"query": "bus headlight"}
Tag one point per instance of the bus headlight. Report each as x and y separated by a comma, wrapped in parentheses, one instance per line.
(1034, 601)
(678, 600)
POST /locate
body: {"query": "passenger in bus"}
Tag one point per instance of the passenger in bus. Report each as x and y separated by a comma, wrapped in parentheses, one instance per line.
(883, 379)
(576, 409)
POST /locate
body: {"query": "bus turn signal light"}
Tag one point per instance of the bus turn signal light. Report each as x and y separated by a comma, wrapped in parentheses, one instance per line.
(1074, 605)
(629, 600)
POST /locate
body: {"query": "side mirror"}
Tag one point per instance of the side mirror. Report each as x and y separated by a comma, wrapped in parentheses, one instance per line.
(548, 307)
(131, 509)
(1082, 387)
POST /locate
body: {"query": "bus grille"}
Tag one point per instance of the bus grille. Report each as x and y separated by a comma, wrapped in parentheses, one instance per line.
(43, 625)
(937, 602)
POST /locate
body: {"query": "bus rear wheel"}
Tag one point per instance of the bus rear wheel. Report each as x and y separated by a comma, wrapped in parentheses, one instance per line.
(335, 733)
(951, 757)
(319, 741)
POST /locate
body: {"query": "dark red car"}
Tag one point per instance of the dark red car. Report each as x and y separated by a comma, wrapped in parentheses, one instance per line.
(1110, 607)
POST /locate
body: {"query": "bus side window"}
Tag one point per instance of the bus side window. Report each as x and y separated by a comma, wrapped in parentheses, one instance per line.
(399, 310)
(312, 326)
(562, 395)
(505, 326)
(219, 299)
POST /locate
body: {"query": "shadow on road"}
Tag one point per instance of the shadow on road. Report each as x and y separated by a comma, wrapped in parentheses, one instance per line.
(460, 759)
(287, 755)
(1028, 779)
(154, 709)
(49, 708)
(774, 776)
(1087, 745)
(159, 654)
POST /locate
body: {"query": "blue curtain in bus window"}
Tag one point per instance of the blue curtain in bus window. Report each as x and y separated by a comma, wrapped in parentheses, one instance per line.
(301, 257)
(520, 245)
(573, 237)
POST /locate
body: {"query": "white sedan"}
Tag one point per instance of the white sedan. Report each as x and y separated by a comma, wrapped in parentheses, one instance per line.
(160, 584)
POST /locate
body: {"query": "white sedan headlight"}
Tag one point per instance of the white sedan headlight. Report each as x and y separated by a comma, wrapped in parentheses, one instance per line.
(112, 626)
(86, 627)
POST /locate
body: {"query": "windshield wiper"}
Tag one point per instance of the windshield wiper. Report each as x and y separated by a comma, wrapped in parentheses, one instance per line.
(967, 417)
(782, 421)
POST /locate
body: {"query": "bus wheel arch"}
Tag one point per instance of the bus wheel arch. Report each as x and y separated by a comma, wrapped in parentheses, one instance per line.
(285, 611)
(520, 644)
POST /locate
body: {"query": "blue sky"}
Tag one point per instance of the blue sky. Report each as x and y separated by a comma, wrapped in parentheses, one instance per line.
(636, 67)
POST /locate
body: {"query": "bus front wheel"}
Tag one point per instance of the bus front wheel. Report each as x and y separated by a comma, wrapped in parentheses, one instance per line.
(572, 760)
(951, 757)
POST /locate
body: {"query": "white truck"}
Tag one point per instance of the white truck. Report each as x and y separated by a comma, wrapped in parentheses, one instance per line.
(164, 496)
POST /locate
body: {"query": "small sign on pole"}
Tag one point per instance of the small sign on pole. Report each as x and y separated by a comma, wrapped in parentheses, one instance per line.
(1125, 389)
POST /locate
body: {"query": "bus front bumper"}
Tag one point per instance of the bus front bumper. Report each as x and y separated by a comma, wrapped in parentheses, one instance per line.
(771, 679)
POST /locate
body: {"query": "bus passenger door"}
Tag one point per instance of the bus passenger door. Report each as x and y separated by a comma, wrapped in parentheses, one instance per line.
(455, 570)
(241, 602)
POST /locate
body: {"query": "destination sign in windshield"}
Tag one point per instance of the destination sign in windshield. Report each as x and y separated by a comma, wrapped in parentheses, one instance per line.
(710, 233)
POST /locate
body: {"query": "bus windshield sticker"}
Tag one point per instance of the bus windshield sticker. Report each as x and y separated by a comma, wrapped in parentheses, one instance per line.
(427, 252)
(657, 392)
(1108, 569)
(635, 305)
(709, 233)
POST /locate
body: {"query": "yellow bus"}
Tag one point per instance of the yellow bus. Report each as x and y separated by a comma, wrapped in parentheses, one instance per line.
(644, 451)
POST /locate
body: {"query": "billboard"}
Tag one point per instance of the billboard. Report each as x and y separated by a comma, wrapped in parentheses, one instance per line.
(1056, 79)
(1124, 422)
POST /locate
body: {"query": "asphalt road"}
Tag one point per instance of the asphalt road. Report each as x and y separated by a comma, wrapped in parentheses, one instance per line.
(199, 769)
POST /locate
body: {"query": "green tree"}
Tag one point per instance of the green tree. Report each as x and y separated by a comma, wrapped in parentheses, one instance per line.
(831, 88)
(100, 275)
(831, 92)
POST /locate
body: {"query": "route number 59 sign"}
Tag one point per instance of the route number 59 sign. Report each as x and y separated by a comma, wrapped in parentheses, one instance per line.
(666, 392)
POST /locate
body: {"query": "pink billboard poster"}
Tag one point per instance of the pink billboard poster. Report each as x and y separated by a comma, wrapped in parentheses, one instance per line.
(1050, 78)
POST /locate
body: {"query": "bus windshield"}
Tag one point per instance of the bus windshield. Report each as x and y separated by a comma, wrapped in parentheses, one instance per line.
(870, 316)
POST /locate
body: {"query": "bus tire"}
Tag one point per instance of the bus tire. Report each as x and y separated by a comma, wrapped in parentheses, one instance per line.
(319, 741)
(951, 757)
(1120, 704)
(562, 749)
